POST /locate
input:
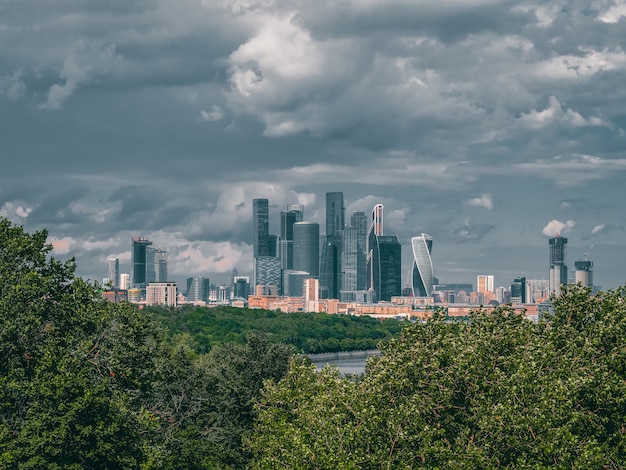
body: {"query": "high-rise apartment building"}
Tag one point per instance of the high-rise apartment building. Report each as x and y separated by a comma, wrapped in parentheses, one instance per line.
(558, 264)
(138, 260)
(162, 293)
(124, 281)
(114, 272)
(484, 283)
(422, 270)
(306, 240)
(268, 272)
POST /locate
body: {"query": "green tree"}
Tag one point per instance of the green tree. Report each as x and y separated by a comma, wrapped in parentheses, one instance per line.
(496, 392)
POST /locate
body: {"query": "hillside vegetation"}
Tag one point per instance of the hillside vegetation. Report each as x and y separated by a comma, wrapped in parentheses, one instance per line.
(203, 328)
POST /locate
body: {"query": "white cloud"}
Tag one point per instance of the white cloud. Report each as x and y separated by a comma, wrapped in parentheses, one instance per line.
(580, 67)
(554, 114)
(614, 13)
(216, 114)
(12, 86)
(572, 170)
(481, 201)
(15, 208)
(557, 228)
(597, 229)
(83, 63)
(62, 246)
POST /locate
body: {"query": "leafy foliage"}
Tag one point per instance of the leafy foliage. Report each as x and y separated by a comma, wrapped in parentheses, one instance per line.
(85, 383)
(497, 392)
(308, 332)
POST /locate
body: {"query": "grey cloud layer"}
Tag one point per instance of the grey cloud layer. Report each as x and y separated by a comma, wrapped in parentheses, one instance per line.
(472, 120)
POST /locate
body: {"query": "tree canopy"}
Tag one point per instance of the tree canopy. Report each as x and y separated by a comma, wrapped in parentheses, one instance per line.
(85, 383)
(495, 392)
(309, 333)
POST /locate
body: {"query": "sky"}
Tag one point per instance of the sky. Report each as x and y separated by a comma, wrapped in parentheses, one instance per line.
(489, 125)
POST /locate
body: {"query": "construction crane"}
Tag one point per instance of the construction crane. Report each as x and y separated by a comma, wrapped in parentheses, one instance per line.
(586, 253)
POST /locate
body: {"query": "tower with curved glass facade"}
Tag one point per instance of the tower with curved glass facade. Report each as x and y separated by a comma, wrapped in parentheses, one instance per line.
(422, 272)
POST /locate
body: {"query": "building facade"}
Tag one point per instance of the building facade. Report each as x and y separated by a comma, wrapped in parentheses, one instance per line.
(306, 247)
(385, 267)
(138, 260)
(114, 272)
(164, 294)
(260, 227)
(558, 264)
(197, 289)
(422, 270)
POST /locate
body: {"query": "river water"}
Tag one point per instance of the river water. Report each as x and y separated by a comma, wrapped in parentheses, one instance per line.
(348, 362)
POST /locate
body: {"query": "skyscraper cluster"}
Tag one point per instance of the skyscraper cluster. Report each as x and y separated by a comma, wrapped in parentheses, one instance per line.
(351, 260)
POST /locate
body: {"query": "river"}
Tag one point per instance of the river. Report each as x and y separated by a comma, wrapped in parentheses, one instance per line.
(348, 362)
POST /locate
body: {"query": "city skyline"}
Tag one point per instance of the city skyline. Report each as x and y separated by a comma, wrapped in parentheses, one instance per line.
(492, 126)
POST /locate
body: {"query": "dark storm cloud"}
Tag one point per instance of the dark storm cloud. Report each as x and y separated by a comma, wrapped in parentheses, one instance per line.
(474, 121)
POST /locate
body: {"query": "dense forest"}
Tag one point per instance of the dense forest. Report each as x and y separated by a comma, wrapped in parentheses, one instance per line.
(88, 384)
(203, 328)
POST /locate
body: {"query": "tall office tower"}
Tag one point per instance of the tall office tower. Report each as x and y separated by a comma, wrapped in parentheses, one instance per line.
(139, 246)
(376, 224)
(422, 271)
(558, 264)
(350, 258)
(330, 261)
(584, 273)
(518, 291)
(359, 224)
(124, 281)
(114, 272)
(261, 227)
(484, 283)
(198, 289)
(306, 247)
(156, 265)
(385, 266)
(335, 213)
(330, 266)
(293, 214)
(241, 287)
(273, 245)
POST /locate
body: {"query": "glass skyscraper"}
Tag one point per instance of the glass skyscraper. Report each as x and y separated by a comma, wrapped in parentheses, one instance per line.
(335, 213)
(260, 227)
(306, 249)
(138, 260)
(385, 266)
(422, 271)
(293, 214)
(558, 264)
(114, 272)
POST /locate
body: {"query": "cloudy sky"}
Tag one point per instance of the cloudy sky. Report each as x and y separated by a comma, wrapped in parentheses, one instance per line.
(487, 124)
